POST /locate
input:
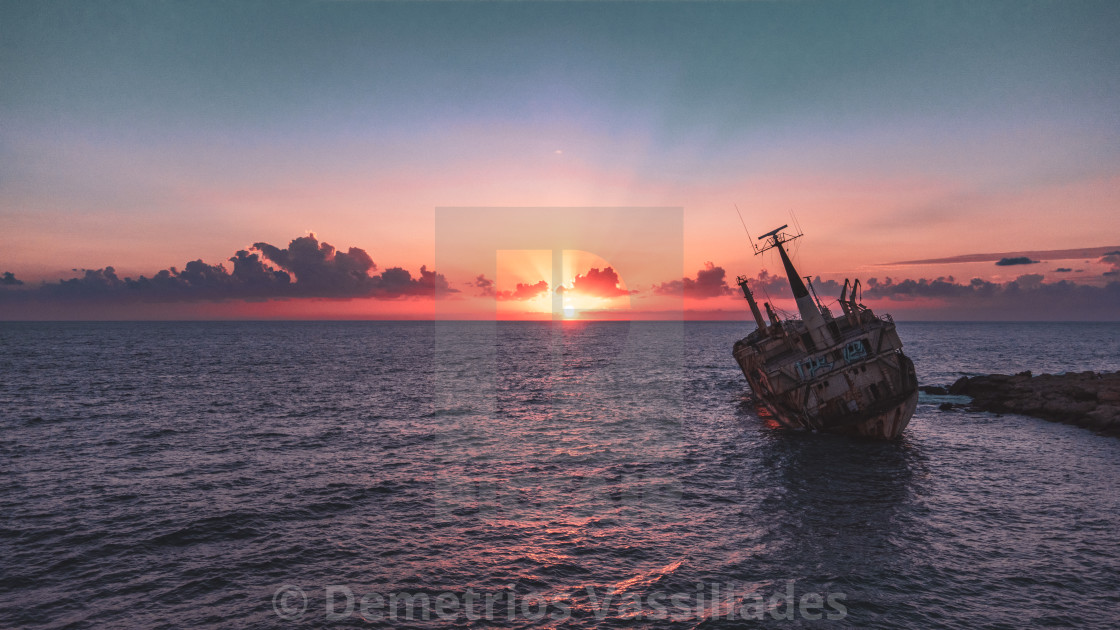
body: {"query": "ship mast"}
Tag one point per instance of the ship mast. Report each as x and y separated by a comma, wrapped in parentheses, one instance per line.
(810, 312)
(742, 281)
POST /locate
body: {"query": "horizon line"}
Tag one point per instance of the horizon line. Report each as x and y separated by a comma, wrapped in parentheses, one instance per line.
(517, 321)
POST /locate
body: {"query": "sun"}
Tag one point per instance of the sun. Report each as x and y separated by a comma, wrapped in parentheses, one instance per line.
(568, 310)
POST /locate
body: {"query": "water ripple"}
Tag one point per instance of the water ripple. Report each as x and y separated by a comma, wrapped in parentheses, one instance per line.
(179, 474)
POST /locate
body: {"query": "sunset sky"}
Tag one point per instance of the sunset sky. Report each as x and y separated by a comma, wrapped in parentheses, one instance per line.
(907, 138)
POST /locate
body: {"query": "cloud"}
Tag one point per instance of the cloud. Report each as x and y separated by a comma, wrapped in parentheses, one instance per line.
(1048, 254)
(1026, 297)
(1026, 285)
(672, 287)
(1018, 260)
(1063, 270)
(319, 268)
(710, 282)
(521, 292)
(776, 285)
(771, 284)
(597, 283)
(524, 291)
(304, 269)
(396, 282)
(9, 280)
(322, 271)
(1112, 258)
(938, 288)
(484, 284)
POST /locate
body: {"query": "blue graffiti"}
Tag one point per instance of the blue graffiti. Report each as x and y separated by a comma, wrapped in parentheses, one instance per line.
(855, 351)
(812, 366)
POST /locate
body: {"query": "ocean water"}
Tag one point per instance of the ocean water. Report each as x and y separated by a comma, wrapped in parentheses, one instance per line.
(260, 475)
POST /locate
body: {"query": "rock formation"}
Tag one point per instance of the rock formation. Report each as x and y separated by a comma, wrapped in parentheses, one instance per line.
(1084, 399)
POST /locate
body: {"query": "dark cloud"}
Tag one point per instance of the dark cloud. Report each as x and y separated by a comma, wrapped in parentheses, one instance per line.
(710, 282)
(1063, 270)
(1025, 285)
(768, 285)
(320, 269)
(306, 268)
(484, 284)
(1019, 260)
(672, 287)
(396, 282)
(824, 288)
(1048, 254)
(597, 283)
(249, 269)
(1026, 297)
(940, 288)
(1112, 258)
(771, 284)
(1019, 292)
(9, 280)
(92, 283)
(524, 291)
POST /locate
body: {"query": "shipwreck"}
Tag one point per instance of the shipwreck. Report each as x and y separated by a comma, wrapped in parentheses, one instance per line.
(838, 374)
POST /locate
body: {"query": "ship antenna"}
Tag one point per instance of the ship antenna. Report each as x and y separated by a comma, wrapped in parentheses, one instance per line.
(796, 222)
(749, 239)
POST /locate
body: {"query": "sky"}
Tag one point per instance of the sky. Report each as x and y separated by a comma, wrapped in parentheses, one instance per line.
(292, 160)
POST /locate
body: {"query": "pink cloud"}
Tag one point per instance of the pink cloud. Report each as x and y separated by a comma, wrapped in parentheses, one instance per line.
(603, 283)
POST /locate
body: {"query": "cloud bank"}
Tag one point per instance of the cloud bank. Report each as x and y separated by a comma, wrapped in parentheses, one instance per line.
(1045, 254)
(1026, 297)
(306, 268)
(710, 282)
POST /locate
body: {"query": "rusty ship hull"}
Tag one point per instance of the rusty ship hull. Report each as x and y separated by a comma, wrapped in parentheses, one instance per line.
(863, 385)
(845, 374)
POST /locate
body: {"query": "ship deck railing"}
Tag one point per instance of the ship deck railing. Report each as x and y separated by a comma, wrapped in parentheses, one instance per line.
(795, 328)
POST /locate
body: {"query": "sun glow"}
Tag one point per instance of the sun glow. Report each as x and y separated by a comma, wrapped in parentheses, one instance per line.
(523, 287)
(588, 286)
(592, 288)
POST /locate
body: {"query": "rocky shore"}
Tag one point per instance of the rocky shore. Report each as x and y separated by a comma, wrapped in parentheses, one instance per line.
(1085, 399)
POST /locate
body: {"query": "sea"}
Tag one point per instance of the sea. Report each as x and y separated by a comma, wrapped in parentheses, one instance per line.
(530, 475)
